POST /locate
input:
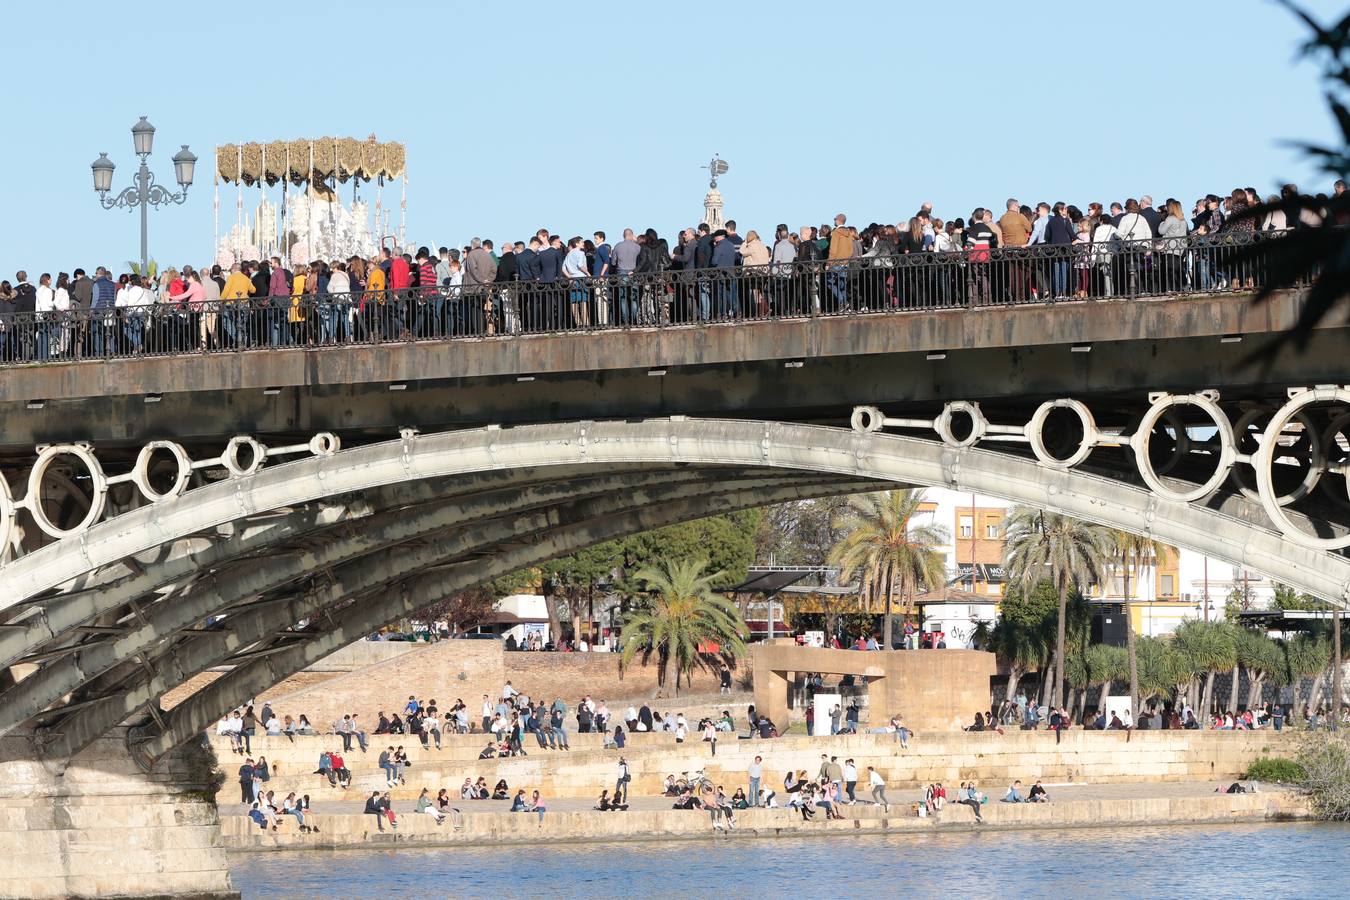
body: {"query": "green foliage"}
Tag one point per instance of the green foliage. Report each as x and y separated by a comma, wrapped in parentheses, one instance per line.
(1030, 607)
(1305, 654)
(1325, 759)
(1322, 251)
(1205, 647)
(885, 551)
(1257, 652)
(1275, 769)
(681, 612)
(1288, 598)
(135, 268)
(726, 544)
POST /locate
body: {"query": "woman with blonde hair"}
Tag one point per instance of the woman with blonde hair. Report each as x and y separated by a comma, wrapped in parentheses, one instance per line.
(1172, 244)
(755, 257)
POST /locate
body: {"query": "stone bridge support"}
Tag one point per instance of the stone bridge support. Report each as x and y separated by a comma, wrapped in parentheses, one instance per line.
(100, 826)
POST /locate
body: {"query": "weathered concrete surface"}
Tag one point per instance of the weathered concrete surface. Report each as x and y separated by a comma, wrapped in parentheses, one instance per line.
(103, 828)
(1090, 757)
(495, 828)
(935, 690)
(1014, 353)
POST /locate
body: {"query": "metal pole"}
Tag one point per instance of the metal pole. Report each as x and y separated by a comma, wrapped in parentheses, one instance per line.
(1205, 595)
(143, 181)
(1335, 668)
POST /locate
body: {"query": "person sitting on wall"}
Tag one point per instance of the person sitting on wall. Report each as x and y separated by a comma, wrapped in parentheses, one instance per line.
(488, 752)
(1014, 794)
(1038, 794)
(501, 791)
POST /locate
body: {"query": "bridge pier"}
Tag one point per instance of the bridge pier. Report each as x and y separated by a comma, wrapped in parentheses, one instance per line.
(97, 825)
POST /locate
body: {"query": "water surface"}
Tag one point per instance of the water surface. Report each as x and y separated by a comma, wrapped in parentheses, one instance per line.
(1231, 861)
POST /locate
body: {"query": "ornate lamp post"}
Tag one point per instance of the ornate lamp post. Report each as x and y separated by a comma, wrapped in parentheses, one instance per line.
(145, 192)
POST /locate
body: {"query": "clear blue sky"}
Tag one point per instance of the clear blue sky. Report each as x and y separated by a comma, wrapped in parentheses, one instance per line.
(577, 117)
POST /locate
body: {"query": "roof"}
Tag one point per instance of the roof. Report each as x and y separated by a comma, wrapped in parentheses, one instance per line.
(506, 618)
(953, 595)
(772, 579)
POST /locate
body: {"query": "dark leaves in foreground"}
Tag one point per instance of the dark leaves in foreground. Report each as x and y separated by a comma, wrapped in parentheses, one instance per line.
(1316, 257)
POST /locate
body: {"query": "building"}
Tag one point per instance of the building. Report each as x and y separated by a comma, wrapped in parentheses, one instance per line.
(1182, 586)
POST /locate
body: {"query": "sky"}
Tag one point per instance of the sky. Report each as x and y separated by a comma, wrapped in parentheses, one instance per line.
(578, 118)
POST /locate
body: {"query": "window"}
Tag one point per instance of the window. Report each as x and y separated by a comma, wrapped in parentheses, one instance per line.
(967, 526)
(991, 532)
(1168, 585)
(1117, 586)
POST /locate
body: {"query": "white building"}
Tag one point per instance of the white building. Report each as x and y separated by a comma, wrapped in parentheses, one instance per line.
(1163, 595)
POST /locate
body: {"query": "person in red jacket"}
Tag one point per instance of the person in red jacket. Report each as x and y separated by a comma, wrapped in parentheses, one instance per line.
(400, 279)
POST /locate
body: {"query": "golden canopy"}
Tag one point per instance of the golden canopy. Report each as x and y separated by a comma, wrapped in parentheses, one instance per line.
(333, 158)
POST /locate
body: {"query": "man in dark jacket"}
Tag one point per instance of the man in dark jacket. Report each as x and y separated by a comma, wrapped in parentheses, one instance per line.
(724, 258)
(528, 271)
(550, 267)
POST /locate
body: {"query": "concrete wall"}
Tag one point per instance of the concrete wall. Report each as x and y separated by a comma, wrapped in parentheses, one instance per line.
(493, 828)
(933, 690)
(466, 669)
(103, 828)
(989, 758)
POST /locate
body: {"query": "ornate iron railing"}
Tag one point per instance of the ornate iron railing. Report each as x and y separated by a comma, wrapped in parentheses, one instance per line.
(868, 285)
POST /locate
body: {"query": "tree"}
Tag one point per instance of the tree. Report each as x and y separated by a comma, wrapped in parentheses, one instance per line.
(1211, 648)
(1287, 598)
(1135, 551)
(1260, 657)
(681, 613)
(1025, 633)
(1306, 655)
(885, 550)
(1070, 551)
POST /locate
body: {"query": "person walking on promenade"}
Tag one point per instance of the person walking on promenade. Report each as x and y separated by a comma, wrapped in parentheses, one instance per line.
(878, 785)
(621, 783)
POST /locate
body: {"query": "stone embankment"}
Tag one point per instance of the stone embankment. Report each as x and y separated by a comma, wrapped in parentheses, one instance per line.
(1090, 757)
(496, 828)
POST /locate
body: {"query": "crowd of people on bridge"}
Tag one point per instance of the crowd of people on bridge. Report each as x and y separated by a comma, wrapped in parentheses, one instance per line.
(549, 282)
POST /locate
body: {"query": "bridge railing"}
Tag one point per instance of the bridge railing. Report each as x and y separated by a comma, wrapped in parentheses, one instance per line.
(870, 285)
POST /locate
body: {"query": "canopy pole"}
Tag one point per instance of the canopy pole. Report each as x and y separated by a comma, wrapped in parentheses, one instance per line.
(215, 205)
(309, 198)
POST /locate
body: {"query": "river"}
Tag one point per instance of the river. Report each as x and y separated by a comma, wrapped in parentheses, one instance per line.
(1231, 861)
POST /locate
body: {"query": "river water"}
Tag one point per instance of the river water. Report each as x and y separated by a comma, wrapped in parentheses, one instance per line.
(1231, 861)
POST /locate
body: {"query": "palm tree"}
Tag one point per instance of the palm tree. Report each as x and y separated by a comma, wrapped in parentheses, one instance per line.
(1306, 655)
(887, 551)
(1137, 551)
(681, 613)
(1211, 648)
(1020, 646)
(1262, 658)
(1070, 551)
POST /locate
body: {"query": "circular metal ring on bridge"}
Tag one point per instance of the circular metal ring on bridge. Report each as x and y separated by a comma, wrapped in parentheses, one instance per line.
(325, 443)
(1036, 437)
(230, 458)
(1139, 442)
(866, 419)
(98, 488)
(978, 423)
(1264, 460)
(7, 513)
(1330, 444)
(1315, 443)
(141, 474)
(1180, 447)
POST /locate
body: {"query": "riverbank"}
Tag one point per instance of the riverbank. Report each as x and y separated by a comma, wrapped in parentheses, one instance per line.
(1163, 805)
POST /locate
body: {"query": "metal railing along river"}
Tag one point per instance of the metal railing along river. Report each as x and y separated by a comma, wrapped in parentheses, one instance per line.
(869, 285)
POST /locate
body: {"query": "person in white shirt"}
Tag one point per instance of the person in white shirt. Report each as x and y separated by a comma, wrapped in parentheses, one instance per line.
(574, 269)
(131, 301)
(508, 692)
(45, 307)
(850, 780)
(878, 785)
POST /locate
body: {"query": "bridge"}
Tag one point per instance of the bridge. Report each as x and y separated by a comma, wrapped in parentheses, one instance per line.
(252, 508)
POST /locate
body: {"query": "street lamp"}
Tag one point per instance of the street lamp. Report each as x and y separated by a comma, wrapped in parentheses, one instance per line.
(145, 192)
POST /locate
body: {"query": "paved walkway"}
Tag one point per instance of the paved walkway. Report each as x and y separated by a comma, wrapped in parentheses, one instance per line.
(1064, 792)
